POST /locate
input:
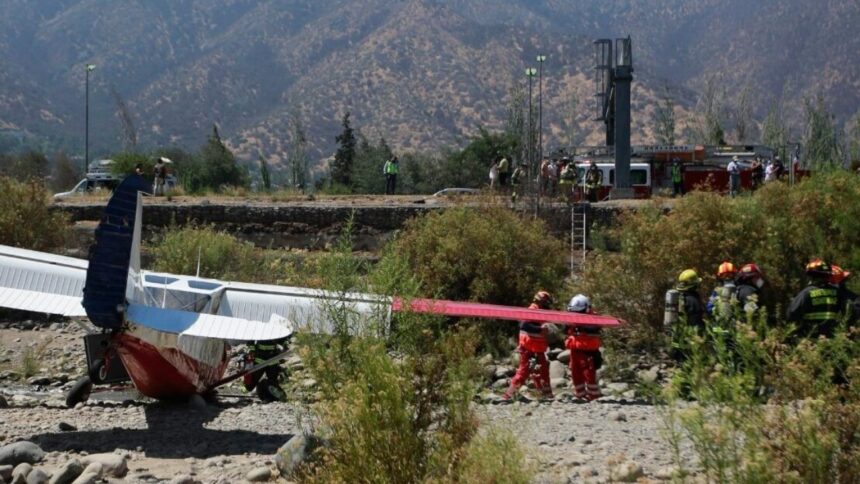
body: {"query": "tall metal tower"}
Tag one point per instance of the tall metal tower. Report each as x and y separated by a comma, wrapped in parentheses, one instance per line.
(613, 76)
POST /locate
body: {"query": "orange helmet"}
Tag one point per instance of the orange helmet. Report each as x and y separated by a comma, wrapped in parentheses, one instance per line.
(726, 270)
(817, 267)
(838, 275)
(543, 299)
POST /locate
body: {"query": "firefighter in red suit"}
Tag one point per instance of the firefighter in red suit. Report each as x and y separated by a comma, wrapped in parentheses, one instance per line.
(532, 349)
(585, 359)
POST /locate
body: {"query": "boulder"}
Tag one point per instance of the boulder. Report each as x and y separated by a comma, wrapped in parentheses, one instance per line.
(183, 479)
(293, 453)
(504, 372)
(68, 473)
(94, 468)
(37, 476)
(558, 382)
(260, 474)
(564, 357)
(489, 372)
(114, 465)
(87, 478)
(649, 376)
(6, 473)
(3, 402)
(19, 474)
(66, 427)
(14, 454)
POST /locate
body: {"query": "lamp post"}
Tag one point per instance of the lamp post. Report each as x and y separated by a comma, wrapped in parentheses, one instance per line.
(540, 59)
(530, 73)
(88, 67)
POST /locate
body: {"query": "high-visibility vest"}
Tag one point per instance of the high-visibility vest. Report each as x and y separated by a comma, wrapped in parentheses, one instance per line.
(825, 305)
(676, 173)
(391, 168)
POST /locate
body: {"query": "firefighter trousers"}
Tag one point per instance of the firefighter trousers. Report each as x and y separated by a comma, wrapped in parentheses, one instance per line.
(583, 375)
(540, 374)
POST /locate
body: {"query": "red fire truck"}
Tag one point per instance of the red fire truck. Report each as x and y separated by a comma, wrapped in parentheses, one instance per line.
(703, 167)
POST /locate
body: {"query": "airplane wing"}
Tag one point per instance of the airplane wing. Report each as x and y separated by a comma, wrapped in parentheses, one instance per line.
(495, 311)
(41, 282)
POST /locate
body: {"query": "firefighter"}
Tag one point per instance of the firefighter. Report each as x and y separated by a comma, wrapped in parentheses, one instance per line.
(532, 349)
(677, 178)
(723, 296)
(838, 278)
(516, 179)
(593, 181)
(816, 308)
(690, 303)
(268, 388)
(585, 358)
(750, 280)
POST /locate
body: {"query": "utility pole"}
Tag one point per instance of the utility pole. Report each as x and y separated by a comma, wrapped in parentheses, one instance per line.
(530, 73)
(540, 59)
(89, 67)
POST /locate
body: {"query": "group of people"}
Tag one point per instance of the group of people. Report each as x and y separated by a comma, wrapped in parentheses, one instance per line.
(818, 309)
(159, 172)
(582, 341)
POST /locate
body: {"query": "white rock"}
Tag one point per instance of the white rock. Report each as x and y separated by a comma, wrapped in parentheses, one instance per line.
(37, 476)
(112, 464)
(557, 370)
(19, 474)
(87, 478)
(260, 474)
(68, 473)
(558, 382)
(626, 471)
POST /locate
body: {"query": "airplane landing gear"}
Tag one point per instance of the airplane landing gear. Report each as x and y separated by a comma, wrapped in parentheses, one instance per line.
(79, 392)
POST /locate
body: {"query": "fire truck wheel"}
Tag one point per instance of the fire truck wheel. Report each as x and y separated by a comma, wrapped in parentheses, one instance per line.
(98, 372)
(80, 392)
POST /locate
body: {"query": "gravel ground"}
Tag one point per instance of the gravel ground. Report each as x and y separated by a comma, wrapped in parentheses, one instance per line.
(616, 439)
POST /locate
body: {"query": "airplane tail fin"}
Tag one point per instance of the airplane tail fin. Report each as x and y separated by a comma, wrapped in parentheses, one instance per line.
(113, 255)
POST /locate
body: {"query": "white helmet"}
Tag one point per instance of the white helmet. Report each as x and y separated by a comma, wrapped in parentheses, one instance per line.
(579, 304)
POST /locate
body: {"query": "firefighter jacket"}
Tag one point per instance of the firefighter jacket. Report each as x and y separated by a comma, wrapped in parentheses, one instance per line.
(690, 306)
(593, 179)
(818, 309)
(532, 335)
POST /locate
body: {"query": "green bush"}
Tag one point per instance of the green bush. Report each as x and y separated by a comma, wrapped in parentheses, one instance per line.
(220, 255)
(487, 254)
(779, 227)
(26, 218)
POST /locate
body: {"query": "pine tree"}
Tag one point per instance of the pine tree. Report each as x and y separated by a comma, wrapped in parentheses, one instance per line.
(664, 118)
(219, 164)
(341, 170)
(264, 174)
(298, 153)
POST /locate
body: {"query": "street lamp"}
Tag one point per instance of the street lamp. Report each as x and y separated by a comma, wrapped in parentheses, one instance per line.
(540, 59)
(531, 72)
(88, 68)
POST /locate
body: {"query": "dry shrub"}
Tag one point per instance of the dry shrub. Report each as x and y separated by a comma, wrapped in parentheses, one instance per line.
(26, 218)
(219, 254)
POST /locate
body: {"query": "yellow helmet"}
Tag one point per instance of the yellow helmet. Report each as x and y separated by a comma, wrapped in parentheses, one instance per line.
(688, 279)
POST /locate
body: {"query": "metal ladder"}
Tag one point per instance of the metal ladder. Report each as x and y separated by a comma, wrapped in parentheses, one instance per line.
(578, 236)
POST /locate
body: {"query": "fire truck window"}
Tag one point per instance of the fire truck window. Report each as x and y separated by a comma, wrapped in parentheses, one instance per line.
(638, 176)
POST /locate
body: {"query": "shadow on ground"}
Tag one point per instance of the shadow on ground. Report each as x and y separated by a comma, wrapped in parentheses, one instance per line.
(173, 431)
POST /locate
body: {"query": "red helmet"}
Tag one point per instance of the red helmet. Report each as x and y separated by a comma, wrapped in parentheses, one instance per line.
(543, 299)
(818, 268)
(726, 270)
(838, 275)
(750, 271)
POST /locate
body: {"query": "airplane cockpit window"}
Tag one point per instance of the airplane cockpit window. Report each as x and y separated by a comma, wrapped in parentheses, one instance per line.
(174, 299)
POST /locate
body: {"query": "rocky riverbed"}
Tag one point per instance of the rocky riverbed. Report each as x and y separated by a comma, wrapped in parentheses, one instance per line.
(120, 437)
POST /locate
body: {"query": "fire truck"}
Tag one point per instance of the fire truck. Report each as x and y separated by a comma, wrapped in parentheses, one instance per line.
(702, 167)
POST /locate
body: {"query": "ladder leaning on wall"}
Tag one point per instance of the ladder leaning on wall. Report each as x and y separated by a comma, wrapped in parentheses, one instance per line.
(578, 236)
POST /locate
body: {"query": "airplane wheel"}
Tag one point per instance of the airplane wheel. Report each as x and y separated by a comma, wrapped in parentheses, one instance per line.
(98, 372)
(264, 392)
(80, 392)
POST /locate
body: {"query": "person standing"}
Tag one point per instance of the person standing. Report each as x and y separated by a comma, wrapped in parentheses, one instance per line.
(504, 169)
(750, 280)
(494, 175)
(734, 170)
(390, 169)
(532, 348)
(593, 182)
(690, 303)
(160, 172)
(677, 178)
(723, 296)
(817, 307)
(585, 358)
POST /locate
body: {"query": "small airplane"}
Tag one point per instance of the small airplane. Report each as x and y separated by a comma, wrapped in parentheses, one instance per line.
(171, 334)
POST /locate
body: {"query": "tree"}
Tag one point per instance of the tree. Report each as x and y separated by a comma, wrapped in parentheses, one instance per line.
(743, 115)
(298, 158)
(341, 170)
(369, 160)
(515, 125)
(775, 132)
(711, 111)
(664, 118)
(219, 164)
(129, 133)
(264, 174)
(821, 148)
(853, 137)
(65, 173)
